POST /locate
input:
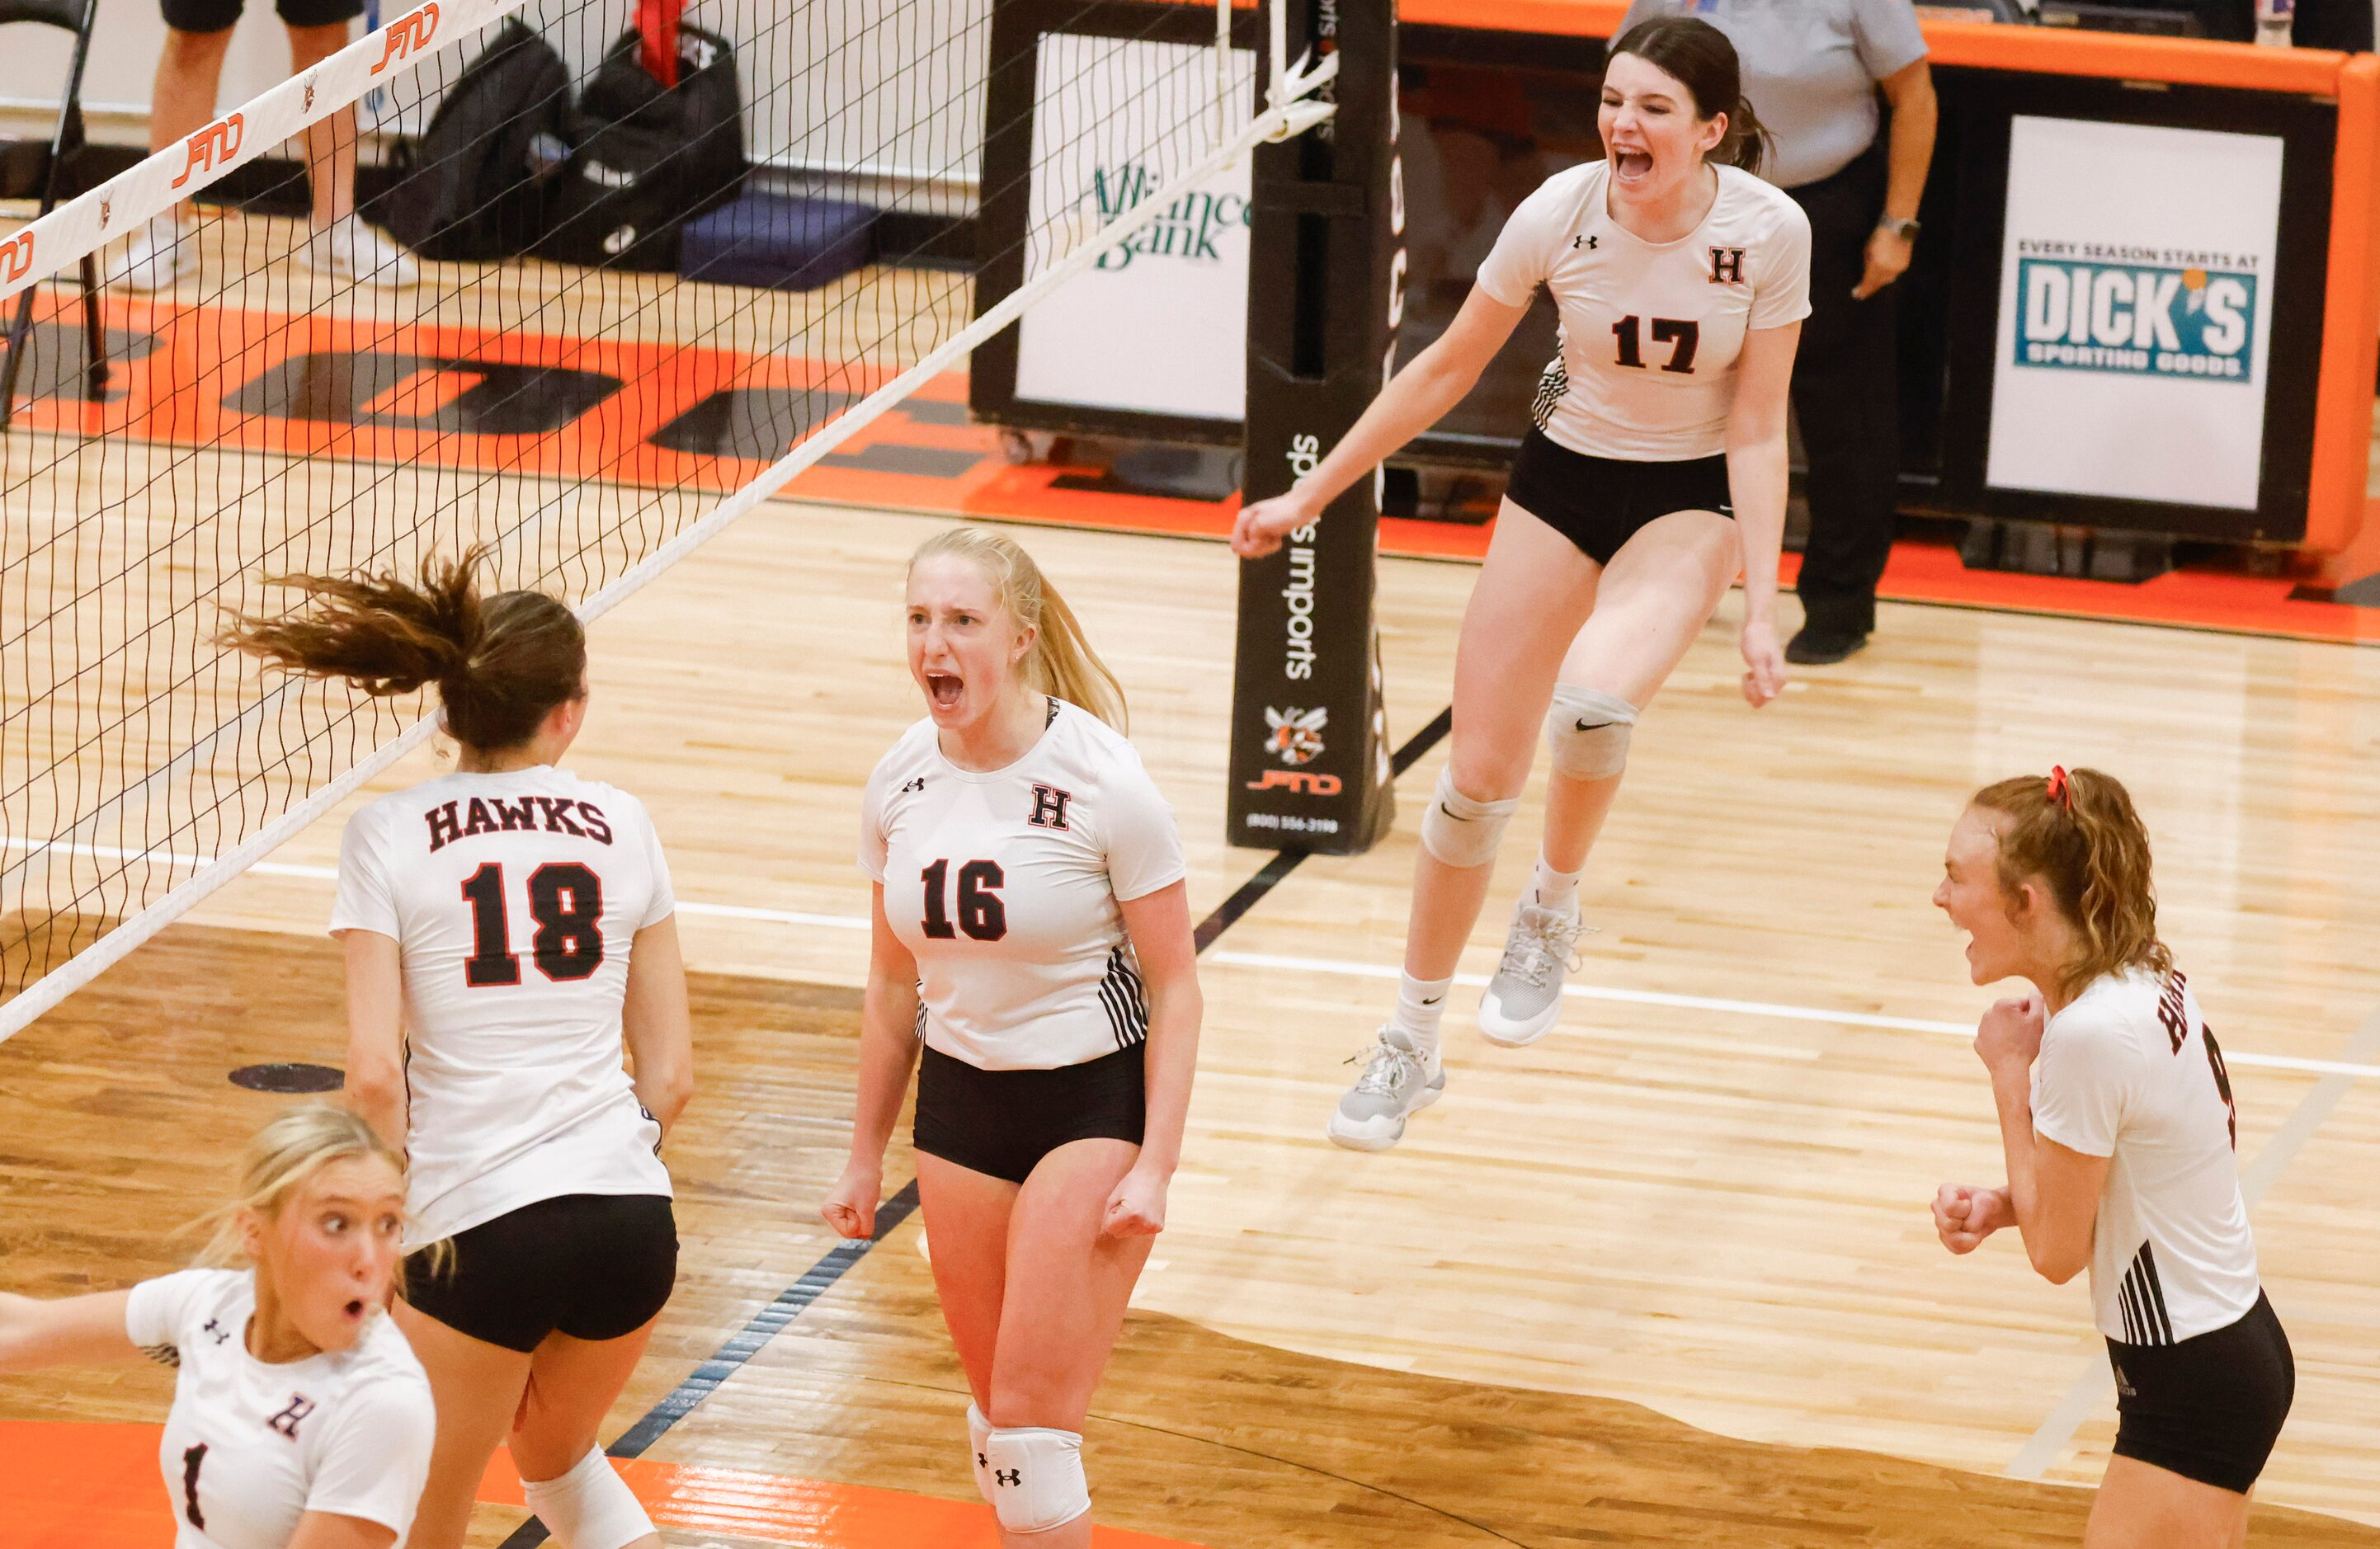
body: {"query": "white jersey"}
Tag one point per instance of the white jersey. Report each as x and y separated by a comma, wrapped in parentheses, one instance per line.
(2129, 1070)
(1650, 330)
(251, 1448)
(1004, 885)
(513, 899)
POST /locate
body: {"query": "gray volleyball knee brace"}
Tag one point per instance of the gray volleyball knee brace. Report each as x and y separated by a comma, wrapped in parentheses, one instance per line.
(1587, 732)
(1037, 1478)
(1461, 830)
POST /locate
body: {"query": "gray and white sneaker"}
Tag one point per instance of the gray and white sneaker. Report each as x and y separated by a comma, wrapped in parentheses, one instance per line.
(1523, 1001)
(1396, 1084)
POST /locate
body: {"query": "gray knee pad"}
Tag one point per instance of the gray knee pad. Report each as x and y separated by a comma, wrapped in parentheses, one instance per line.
(1037, 1478)
(1459, 831)
(1587, 731)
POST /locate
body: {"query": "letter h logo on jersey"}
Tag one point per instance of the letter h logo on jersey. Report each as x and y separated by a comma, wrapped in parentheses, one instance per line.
(1727, 266)
(287, 1421)
(1049, 807)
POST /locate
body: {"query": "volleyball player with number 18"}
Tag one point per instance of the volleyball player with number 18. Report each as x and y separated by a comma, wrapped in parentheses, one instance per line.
(1032, 930)
(507, 926)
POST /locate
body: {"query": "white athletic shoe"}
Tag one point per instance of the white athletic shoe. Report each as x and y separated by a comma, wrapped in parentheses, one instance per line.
(1523, 1001)
(358, 253)
(161, 253)
(1394, 1086)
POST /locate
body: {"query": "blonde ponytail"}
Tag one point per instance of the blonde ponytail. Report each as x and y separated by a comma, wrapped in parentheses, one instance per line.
(1061, 664)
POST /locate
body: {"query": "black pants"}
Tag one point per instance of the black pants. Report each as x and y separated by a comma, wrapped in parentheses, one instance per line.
(1846, 394)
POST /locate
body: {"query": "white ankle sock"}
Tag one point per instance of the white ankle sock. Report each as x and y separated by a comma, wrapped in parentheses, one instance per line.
(1553, 890)
(1420, 1004)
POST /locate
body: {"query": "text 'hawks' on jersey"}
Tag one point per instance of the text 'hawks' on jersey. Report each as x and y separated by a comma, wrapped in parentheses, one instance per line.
(513, 899)
(1650, 330)
(1004, 888)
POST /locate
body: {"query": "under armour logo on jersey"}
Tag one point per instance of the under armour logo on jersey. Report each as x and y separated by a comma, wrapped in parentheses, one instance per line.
(1008, 1476)
(914, 786)
(1049, 807)
(287, 1421)
(1727, 266)
(215, 1328)
(1583, 241)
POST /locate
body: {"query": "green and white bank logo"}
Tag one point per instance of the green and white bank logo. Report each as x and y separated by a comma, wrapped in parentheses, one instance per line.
(2147, 320)
(1190, 227)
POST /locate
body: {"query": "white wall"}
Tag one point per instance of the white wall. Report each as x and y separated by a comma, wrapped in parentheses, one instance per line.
(884, 90)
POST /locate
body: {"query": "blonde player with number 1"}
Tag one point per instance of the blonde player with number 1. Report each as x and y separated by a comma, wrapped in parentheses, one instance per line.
(1654, 473)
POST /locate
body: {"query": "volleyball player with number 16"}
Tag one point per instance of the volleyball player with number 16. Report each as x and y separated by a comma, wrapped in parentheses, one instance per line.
(1032, 929)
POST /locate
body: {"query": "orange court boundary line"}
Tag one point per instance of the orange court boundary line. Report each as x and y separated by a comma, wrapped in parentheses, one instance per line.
(74, 1484)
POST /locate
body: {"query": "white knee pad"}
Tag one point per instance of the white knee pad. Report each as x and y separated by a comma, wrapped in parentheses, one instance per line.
(1037, 1478)
(1461, 831)
(1587, 731)
(589, 1507)
(978, 1437)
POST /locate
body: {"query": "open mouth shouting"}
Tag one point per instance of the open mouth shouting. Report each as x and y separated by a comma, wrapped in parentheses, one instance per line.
(944, 689)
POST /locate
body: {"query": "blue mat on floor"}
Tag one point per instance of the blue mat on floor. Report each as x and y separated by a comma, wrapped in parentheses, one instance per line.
(777, 242)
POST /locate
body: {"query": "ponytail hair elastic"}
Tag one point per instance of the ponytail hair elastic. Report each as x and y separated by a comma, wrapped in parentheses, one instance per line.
(2061, 795)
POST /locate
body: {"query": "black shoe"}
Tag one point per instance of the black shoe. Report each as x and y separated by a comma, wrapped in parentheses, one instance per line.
(1821, 647)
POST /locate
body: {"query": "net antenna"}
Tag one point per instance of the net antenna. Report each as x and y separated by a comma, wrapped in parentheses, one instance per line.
(263, 418)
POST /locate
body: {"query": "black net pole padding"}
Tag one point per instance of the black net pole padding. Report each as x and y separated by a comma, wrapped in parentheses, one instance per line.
(1309, 766)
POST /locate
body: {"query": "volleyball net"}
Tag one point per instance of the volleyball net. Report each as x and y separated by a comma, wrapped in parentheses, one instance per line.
(599, 364)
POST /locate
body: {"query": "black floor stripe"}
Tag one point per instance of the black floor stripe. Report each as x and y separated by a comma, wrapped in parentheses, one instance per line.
(797, 1298)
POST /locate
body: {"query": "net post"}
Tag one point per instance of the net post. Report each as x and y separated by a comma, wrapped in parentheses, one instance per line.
(1309, 756)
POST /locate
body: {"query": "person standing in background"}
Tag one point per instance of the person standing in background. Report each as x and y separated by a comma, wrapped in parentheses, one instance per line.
(190, 71)
(1815, 68)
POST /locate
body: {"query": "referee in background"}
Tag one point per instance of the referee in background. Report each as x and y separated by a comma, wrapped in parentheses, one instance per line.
(1814, 68)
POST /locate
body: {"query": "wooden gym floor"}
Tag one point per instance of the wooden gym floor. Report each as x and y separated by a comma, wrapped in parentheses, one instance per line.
(1665, 1278)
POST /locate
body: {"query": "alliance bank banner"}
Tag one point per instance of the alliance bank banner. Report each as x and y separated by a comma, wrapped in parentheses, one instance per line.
(2135, 313)
(1158, 326)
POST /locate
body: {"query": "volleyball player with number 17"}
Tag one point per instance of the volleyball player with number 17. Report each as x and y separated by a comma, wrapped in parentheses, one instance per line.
(1654, 473)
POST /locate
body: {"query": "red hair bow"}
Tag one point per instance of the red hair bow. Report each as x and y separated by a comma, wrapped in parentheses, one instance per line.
(2058, 793)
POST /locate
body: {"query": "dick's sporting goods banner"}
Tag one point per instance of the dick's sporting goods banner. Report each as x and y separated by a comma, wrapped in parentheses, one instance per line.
(1159, 325)
(1309, 739)
(2135, 313)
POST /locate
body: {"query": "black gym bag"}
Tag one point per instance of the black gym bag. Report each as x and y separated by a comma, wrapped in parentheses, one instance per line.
(484, 180)
(647, 156)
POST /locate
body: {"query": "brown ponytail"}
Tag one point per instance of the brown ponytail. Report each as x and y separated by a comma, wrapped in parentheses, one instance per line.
(500, 662)
(1704, 62)
(1061, 664)
(2077, 832)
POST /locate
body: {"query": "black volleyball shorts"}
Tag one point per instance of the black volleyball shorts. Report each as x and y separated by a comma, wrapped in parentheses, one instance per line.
(593, 1266)
(2211, 1407)
(1003, 1123)
(217, 15)
(1601, 502)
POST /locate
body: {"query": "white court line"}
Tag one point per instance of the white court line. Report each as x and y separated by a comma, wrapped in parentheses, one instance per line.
(2245, 1058)
(2096, 1383)
(2344, 1068)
